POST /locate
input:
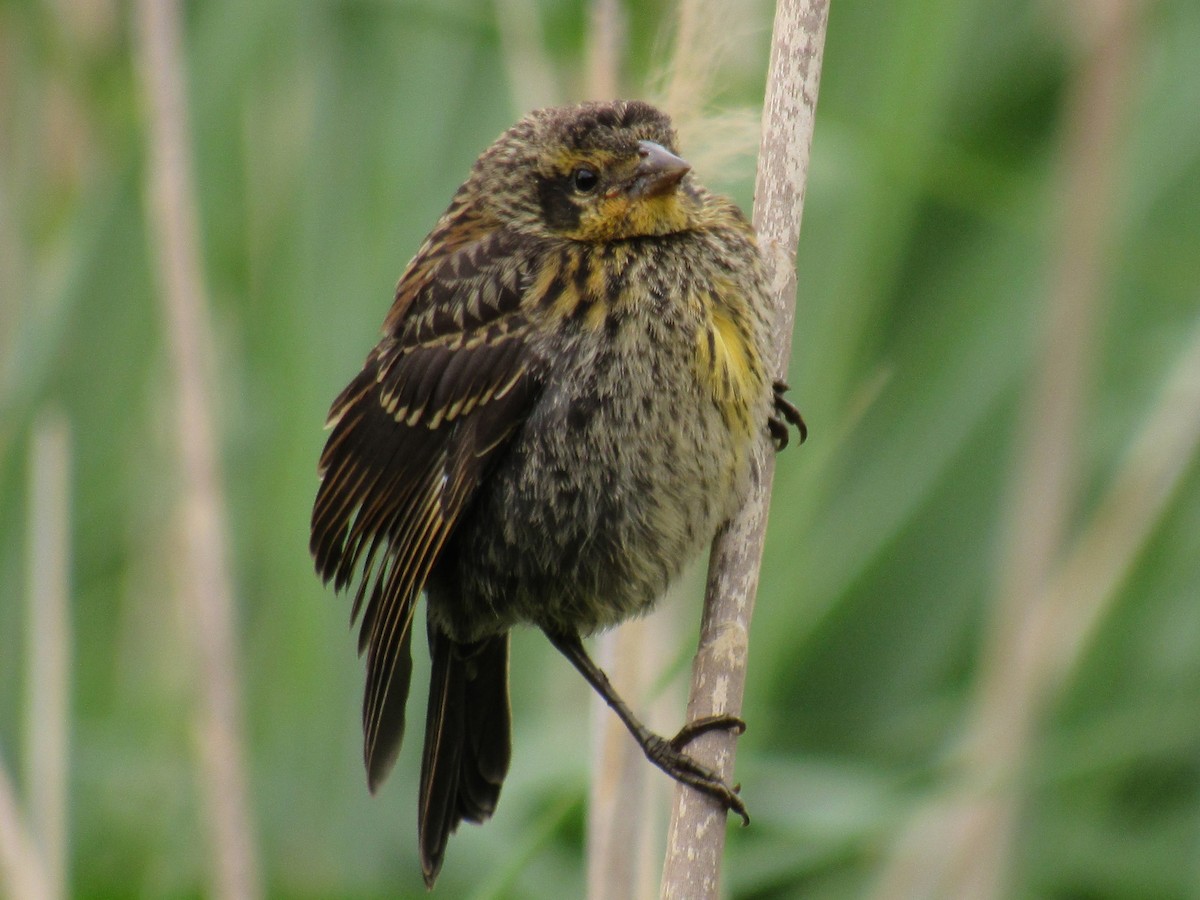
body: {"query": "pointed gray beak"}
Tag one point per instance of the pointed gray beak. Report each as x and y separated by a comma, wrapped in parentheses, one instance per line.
(658, 170)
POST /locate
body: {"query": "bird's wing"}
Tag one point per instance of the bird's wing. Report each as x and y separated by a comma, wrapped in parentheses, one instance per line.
(410, 439)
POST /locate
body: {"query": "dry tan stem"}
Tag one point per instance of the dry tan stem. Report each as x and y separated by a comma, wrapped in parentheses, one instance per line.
(696, 837)
(33, 855)
(1084, 586)
(690, 74)
(627, 800)
(533, 80)
(22, 870)
(205, 576)
(960, 846)
(606, 48)
(49, 645)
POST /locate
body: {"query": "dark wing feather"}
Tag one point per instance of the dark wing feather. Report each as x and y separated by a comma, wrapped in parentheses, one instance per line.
(411, 437)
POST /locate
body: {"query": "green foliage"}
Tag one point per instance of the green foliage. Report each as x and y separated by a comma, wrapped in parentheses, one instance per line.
(327, 138)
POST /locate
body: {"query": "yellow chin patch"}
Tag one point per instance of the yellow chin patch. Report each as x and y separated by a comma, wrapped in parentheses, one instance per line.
(619, 216)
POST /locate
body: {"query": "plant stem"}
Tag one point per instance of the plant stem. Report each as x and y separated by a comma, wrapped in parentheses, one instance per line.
(696, 837)
(206, 580)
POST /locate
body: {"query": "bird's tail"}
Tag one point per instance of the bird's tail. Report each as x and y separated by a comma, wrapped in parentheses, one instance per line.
(468, 740)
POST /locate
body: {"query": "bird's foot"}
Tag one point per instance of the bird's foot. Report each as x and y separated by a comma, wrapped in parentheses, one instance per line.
(785, 414)
(669, 756)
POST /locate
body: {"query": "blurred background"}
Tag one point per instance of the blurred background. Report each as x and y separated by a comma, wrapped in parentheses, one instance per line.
(975, 663)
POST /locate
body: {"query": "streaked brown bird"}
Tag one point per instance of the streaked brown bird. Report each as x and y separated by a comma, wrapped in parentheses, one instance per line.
(559, 416)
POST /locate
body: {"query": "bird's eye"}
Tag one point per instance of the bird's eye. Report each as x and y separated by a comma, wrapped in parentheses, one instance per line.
(584, 179)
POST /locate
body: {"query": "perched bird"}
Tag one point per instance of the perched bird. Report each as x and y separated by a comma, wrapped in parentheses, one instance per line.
(559, 416)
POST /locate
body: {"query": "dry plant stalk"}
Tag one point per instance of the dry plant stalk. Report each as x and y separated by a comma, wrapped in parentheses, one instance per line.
(626, 803)
(606, 47)
(48, 648)
(206, 583)
(532, 77)
(33, 853)
(696, 837)
(1047, 601)
(23, 872)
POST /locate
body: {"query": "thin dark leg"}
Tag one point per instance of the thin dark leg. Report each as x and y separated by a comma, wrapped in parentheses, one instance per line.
(667, 754)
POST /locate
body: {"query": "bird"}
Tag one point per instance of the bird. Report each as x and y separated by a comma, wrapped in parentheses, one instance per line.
(559, 415)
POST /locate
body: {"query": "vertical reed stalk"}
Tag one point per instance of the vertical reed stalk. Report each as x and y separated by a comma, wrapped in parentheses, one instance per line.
(48, 648)
(696, 837)
(206, 581)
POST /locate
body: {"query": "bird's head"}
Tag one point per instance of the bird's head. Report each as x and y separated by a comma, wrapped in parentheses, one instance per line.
(593, 172)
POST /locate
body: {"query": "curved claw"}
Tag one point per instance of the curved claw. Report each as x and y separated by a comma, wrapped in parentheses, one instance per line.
(785, 414)
(692, 730)
(683, 768)
(719, 791)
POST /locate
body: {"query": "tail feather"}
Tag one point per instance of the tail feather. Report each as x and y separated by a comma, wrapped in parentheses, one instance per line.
(380, 754)
(468, 740)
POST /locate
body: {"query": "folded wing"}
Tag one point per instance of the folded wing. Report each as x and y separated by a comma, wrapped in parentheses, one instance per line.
(410, 439)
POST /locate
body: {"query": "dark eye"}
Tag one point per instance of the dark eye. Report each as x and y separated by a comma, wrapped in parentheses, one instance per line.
(584, 179)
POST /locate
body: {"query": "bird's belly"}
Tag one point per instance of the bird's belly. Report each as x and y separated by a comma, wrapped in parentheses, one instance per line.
(613, 484)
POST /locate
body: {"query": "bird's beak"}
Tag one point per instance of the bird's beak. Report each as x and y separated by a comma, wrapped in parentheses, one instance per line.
(658, 170)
